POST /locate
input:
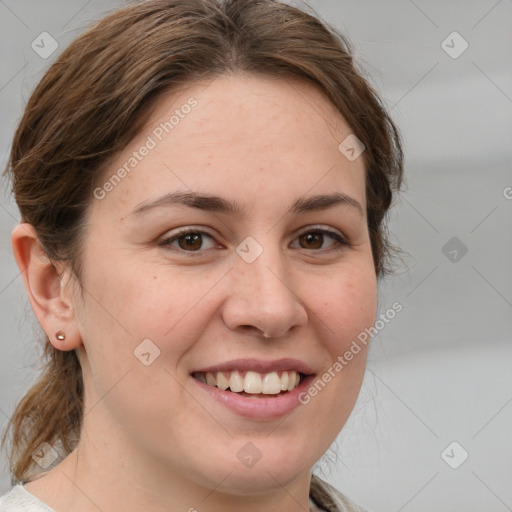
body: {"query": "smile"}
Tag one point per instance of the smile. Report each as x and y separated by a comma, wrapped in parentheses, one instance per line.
(251, 382)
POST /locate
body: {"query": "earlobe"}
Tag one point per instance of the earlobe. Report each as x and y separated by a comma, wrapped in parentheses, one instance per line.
(46, 288)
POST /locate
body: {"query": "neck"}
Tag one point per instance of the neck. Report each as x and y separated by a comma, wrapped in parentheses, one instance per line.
(91, 478)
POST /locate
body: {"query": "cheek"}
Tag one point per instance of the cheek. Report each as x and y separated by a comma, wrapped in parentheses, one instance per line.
(348, 307)
(345, 304)
(148, 301)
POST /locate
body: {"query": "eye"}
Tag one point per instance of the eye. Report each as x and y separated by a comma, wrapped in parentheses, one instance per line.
(319, 239)
(189, 241)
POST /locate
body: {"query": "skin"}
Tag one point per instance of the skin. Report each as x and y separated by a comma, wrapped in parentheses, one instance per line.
(151, 440)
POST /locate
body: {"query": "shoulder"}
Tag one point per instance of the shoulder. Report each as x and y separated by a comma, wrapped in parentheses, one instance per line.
(330, 499)
(18, 499)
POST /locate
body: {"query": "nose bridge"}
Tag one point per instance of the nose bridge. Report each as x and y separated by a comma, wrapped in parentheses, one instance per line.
(266, 280)
(263, 295)
(264, 270)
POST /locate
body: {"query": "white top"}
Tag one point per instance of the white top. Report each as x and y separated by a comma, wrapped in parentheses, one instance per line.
(323, 497)
(18, 499)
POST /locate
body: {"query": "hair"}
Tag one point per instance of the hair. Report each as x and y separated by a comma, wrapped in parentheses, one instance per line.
(97, 96)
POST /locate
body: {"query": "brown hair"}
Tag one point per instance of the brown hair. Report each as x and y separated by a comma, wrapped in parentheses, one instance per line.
(95, 98)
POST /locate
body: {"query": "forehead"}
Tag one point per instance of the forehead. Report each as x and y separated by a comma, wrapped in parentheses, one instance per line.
(236, 135)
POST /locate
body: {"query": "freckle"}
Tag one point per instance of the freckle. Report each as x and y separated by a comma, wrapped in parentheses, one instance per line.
(154, 277)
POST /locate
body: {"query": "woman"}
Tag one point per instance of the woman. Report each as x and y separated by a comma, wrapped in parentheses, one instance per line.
(203, 188)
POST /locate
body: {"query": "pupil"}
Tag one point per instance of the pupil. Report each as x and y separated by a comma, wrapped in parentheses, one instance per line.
(313, 240)
(191, 241)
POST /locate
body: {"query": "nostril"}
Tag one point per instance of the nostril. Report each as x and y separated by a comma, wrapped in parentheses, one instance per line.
(253, 330)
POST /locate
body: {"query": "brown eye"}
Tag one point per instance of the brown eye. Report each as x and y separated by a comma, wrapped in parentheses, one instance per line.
(312, 240)
(191, 241)
(320, 240)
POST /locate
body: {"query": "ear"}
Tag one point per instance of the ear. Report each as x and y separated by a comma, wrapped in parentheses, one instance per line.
(48, 288)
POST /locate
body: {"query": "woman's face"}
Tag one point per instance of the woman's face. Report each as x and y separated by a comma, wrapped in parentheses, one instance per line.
(229, 222)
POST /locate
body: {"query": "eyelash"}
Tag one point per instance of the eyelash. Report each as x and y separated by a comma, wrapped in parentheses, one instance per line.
(341, 242)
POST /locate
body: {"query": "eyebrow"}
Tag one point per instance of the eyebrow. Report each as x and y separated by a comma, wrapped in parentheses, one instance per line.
(220, 205)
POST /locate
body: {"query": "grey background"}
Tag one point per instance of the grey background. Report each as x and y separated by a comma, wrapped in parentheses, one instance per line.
(440, 371)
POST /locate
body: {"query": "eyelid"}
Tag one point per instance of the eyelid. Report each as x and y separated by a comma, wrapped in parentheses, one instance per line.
(186, 229)
(322, 229)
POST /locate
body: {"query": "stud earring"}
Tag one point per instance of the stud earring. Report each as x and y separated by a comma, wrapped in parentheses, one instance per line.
(60, 335)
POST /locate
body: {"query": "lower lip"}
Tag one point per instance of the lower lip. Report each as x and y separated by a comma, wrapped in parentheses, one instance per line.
(258, 408)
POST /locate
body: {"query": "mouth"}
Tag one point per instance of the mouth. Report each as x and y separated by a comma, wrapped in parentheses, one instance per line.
(255, 389)
(252, 384)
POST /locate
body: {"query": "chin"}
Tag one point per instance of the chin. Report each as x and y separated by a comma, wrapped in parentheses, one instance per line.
(249, 470)
(262, 480)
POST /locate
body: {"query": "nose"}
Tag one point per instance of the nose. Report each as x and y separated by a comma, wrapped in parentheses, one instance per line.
(262, 299)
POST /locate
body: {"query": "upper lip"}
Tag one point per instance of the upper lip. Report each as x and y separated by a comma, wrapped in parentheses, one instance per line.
(261, 366)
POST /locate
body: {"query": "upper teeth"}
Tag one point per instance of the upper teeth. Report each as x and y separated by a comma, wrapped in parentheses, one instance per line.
(252, 382)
